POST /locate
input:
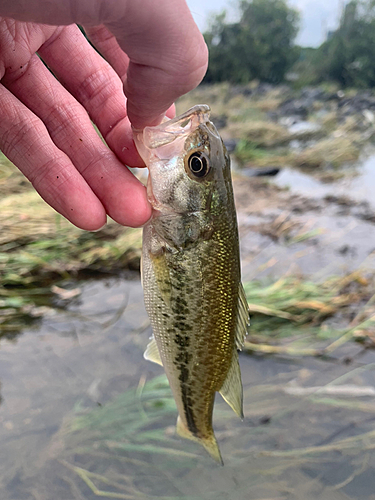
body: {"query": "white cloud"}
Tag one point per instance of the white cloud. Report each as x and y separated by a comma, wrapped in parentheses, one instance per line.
(317, 16)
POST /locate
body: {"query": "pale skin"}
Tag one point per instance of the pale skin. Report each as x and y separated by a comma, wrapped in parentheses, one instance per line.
(153, 53)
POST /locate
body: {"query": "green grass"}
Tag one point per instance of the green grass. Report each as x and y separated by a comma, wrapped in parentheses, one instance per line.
(247, 151)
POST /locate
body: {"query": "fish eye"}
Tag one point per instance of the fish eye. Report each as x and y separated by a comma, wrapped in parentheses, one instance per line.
(199, 164)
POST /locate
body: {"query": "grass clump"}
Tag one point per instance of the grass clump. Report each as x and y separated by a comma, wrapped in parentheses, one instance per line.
(247, 151)
(39, 246)
(334, 151)
(262, 133)
(299, 310)
(11, 179)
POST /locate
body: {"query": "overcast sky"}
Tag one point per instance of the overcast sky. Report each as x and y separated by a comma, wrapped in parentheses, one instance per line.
(317, 16)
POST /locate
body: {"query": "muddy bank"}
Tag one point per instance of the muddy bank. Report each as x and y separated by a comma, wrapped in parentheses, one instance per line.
(282, 231)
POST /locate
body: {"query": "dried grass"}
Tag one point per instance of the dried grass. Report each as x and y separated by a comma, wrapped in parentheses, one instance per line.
(38, 247)
(296, 310)
(334, 151)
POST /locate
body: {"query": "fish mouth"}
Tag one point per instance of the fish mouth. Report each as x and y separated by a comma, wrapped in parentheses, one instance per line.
(178, 127)
(166, 140)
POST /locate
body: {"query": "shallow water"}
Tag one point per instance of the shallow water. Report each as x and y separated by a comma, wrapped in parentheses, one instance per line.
(336, 244)
(291, 444)
(360, 188)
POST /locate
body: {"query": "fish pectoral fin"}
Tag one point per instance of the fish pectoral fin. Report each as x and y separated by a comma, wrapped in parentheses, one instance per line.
(231, 390)
(243, 318)
(162, 276)
(209, 443)
(152, 353)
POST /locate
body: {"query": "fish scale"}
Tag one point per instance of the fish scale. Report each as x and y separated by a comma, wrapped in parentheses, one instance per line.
(191, 270)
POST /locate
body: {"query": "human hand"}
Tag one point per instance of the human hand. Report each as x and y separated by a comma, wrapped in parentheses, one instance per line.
(153, 51)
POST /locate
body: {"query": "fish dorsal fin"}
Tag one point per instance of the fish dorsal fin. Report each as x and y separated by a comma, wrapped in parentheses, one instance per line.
(152, 352)
(231, 390)
(243, 318)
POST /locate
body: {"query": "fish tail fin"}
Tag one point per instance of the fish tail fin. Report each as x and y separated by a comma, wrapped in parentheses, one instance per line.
(209, 443)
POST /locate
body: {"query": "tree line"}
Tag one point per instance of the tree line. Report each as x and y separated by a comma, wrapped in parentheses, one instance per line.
(261, 45)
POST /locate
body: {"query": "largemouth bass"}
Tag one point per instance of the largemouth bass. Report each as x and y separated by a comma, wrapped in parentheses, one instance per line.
(191, 270)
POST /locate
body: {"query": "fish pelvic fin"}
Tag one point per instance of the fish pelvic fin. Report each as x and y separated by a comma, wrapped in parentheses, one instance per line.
(152, 352)
(231, 390)
(209, 443)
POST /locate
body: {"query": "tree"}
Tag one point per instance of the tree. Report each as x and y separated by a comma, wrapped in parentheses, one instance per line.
(259, 45)
(348, 57)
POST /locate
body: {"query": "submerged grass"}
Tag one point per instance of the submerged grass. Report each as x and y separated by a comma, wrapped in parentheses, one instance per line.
(125, 433)
(127, 448)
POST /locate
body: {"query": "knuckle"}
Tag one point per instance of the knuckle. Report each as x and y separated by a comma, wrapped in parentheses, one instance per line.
(97, 88)
(50, 175)
(96, 163)
(19, 132)
(191, 66)
(40, 174)
(62, 117)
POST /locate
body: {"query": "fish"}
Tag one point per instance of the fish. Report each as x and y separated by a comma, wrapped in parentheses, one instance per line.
(191, 270)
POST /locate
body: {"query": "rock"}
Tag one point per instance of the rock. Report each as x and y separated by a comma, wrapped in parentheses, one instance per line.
(295, 108)
(230, 144)
(240, 90)
(313, 94)
(220, 121)
(262, 172)
(369, 116)
(359, 103)
(263, 88)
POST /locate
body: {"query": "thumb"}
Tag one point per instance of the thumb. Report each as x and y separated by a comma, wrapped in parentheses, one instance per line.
(167, 56)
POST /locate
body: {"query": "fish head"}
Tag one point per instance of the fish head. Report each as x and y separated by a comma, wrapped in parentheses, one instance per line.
(189, 168)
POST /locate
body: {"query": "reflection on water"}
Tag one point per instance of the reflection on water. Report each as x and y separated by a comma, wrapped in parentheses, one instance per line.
(360, 188)
(83, 414)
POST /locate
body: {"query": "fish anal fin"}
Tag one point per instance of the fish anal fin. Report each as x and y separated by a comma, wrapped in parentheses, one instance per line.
(209, 443)
(231, 390)
(152, 353)
(243, 318)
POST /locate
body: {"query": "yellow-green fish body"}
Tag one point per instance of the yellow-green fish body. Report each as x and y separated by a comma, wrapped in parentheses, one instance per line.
(191, 269)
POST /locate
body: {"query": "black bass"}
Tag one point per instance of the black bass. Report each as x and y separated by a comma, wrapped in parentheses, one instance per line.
(191, 269)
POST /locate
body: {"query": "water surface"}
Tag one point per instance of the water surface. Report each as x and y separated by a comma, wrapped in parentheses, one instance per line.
(87, 361)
